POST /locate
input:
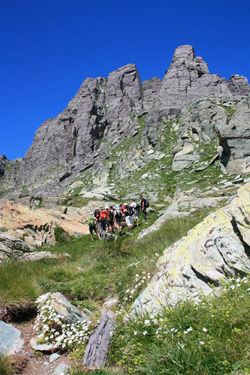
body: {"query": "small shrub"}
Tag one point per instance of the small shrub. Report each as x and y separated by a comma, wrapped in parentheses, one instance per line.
(61, 235)
(5, 366)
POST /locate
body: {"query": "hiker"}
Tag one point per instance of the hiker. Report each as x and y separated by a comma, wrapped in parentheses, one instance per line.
(136, 208)
(111, 219)
(144, 206)
(128, 212)
(104, 217)
(91, 221)
(122, 206)
(98, 222)
(118, 218)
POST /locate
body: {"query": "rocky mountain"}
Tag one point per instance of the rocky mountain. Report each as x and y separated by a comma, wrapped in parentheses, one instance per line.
(115, 128)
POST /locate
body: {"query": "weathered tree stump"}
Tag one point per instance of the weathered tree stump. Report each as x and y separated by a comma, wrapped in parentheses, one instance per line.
(97, 349)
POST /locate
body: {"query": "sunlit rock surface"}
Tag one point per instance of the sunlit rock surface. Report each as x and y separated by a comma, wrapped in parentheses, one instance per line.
(216, 248)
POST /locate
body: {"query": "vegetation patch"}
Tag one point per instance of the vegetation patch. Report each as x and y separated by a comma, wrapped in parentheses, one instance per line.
(61, 235)
(208, 335)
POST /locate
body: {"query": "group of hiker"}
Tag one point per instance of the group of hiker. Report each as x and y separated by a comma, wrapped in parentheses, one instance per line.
(108, 219)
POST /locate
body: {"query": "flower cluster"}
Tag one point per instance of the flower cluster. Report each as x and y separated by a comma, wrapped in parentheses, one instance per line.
(53, 328)
(140, 280)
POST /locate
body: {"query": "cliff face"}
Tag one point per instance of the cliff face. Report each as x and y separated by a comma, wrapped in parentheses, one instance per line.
(106, 111)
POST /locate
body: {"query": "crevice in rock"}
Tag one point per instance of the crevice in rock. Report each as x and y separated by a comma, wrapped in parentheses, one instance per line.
(225, 261)
(203, 278)
(239, 235)
(226, 153)
(245, 218)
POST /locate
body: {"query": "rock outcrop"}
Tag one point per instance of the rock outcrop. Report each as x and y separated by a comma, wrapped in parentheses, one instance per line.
(11, 340)
(37, 225)
(181, 208)
(107, 111)
(217, 248)
(12, 247)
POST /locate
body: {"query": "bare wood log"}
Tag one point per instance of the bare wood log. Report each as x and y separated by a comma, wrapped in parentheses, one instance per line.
(97, 349)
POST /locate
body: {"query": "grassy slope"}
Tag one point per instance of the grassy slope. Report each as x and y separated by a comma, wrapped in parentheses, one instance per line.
(97, 270)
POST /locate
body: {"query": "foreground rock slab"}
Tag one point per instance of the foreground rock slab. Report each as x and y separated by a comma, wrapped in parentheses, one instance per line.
(97, 349)
(11, 341)
(217, 248)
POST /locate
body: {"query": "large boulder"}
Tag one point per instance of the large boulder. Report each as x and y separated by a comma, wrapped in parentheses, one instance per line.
(11, 340)
(217, 248)
(12, 247)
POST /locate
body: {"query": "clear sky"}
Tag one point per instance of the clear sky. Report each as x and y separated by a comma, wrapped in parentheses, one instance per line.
(48, 47)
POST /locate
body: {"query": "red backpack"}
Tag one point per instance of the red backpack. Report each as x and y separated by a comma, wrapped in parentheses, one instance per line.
(104, 215)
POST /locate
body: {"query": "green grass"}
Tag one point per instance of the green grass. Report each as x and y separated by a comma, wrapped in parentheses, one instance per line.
(5, 366)
(229, 110)
(93, 271)
(207, 336)
(18, 284)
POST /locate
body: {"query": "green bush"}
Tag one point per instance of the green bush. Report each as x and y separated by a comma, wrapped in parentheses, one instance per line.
(61, 235)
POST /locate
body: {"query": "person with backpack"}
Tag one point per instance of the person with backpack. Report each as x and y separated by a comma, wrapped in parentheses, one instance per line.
(104, 217)
(136, 207)
(118, 218)
(144, 206)
(91, 221)
(98, 222)
(128, 212)
(111, 219)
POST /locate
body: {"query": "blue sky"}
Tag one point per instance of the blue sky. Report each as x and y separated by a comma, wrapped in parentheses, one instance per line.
(48, 47)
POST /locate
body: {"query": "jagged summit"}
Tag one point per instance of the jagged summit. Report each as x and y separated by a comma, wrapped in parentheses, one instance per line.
(106, 111)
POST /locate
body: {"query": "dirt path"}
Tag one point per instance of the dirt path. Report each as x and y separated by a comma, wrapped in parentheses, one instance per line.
(28, 363)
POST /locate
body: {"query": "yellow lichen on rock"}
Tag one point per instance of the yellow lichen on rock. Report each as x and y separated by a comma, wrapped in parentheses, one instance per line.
(214, 249)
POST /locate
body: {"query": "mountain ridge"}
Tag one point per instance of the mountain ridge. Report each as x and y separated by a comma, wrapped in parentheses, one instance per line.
(108, 110)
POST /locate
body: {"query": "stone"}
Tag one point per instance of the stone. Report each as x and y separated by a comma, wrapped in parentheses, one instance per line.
(213, 250)
(181, 162)
(151, 151)
(43, 347)
(97, 349)
(53, 357)
(63, 307)
(62, 369)
(238, 85)
(37, 255)
(11, 340)
(12, 247)
(186, 149)
(112, 302)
